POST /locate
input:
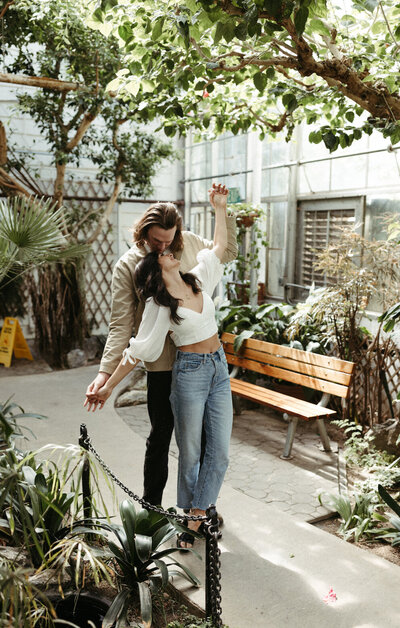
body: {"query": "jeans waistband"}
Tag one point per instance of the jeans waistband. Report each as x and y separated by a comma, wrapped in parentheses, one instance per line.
(203, 357)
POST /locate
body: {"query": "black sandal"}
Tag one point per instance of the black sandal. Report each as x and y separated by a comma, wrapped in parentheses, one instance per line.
(184, 537)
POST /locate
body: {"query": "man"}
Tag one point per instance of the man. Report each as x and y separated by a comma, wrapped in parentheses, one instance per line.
(159, 229)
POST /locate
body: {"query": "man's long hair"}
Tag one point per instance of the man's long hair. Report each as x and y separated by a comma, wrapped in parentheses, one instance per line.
(164, 215)
(150, 283)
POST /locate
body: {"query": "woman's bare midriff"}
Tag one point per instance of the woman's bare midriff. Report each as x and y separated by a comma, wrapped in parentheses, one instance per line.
(205, 346)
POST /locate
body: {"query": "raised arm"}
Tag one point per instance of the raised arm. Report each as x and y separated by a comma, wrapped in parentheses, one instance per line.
(218, 195)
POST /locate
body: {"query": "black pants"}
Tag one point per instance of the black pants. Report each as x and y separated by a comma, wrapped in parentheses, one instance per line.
(157, 445)
(155, 472)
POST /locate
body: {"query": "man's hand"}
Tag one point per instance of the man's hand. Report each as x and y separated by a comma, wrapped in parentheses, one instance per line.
(218, 195)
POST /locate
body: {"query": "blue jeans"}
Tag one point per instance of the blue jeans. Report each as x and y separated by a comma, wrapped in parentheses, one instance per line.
(201, 393)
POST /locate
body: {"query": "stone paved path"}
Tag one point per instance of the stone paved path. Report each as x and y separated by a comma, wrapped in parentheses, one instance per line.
(255, 468)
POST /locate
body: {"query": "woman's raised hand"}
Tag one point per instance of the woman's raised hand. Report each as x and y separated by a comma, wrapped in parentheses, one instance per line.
(218, 195)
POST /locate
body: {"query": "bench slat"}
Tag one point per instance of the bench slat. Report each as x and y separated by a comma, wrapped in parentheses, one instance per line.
(278, 401)
(292, 365)
(302, 356)
(297, 378)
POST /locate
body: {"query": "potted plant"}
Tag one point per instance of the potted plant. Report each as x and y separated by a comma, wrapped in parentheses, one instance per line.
(246, 214)
(251, 242)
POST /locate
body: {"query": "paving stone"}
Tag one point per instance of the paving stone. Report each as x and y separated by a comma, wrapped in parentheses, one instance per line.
(255, 468)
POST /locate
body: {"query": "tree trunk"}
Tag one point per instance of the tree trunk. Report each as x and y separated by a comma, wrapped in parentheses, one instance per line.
(58, 304)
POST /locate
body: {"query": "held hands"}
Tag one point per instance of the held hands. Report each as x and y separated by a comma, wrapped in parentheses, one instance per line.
(97, 399)
(218, 195)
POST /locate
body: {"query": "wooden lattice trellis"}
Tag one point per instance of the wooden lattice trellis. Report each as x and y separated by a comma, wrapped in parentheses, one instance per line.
(371, 413)
(91, 196)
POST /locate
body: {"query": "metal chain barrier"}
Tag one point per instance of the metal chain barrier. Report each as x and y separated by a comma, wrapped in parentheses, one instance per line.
(210, 521)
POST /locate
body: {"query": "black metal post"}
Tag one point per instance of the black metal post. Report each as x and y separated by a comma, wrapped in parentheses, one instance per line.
(87, 497)
(213, 586)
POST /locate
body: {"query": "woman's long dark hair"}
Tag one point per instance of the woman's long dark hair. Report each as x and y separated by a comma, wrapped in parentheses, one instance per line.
(150, 283)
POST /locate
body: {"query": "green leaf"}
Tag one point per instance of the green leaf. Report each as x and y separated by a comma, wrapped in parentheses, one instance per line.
(317, 26)
(128, 518)
(300, 20)
(289, 102)
(274, 7)
(145, 604)
(241, 31)
(389, 499)
(260, 80)
(229, 31)
(219, 32)
(244, 335)
(157, 29)
(330, 140)
(143, 546)
(118, 609)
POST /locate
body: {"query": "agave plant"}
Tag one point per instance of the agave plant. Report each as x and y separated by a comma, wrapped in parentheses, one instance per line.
(357, 517)
(392, 533)
(10, 427)
(142, 566)
(31, 234)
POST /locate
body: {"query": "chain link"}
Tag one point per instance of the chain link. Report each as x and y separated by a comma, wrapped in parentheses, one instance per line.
(142, 502)
(214, 572)
(210, 529)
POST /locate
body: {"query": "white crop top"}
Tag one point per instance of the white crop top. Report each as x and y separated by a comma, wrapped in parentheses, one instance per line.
(194, 327)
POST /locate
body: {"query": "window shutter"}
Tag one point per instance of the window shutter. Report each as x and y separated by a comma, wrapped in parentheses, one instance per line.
(320, 228)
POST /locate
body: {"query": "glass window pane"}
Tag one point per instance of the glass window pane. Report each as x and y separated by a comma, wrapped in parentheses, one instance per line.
(377, 208)
(279, 181)
(349, 172)
(383, 169)
(276, 236)
(314, 177)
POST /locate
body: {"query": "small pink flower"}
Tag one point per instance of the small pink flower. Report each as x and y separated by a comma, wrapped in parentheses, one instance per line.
(331, 597)
(205, 94)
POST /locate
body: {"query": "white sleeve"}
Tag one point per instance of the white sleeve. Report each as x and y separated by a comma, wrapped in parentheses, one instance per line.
(148, 343)
(209, 270)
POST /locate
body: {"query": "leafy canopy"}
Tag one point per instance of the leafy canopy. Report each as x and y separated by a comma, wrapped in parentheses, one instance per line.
(235, 65)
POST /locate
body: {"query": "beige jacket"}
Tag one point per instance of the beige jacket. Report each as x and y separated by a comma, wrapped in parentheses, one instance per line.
(127, 308)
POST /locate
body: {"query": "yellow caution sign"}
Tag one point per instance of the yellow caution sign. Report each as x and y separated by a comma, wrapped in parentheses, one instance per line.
(12, 339)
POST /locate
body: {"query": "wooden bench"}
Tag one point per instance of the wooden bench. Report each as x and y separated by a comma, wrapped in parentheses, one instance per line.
(326, 374)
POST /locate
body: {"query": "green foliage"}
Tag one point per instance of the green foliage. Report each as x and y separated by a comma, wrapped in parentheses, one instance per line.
(10, 428)
(390, 533)
(251, 240)
(378, 467)
(235, 66)
(360, 274)
(31, 234)
(49, 38)
(22, 604)
(357, 516)
(141, 561)
(269, 322)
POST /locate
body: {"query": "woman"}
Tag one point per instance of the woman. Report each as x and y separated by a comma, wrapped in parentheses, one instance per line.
(181, 305)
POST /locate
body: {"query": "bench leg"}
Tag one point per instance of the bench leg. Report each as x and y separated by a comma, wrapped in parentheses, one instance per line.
(237, 406)
(289, 438)
(323, 434)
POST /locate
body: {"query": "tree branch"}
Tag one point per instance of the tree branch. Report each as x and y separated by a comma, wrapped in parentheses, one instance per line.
(83, 127)
(41, 81)
(108, 209)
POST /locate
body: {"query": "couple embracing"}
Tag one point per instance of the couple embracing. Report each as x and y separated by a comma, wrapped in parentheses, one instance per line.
(162, 289)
